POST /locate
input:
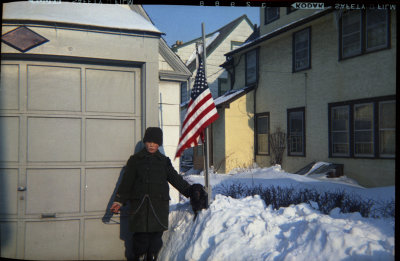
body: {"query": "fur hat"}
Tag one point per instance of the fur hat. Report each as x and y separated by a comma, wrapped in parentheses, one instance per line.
(153, 134)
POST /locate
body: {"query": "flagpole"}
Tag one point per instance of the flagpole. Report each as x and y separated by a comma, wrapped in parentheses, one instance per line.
(206, 136)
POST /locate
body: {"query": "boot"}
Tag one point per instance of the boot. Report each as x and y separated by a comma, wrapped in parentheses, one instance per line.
(152, 256)
(142, 257)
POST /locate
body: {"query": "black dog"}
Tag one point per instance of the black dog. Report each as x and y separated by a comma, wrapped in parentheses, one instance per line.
(198, 198)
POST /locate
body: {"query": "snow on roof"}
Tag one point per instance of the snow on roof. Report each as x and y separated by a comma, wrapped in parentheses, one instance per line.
(229, 95)
(102, 15)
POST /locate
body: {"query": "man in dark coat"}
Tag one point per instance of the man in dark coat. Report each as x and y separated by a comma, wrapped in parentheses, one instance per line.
(145, 185)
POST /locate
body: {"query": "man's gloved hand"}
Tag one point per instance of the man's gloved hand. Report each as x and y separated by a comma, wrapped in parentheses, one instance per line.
(198, 198)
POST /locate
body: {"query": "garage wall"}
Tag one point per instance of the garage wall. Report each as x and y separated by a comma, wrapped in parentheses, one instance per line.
(67, 130)
(71, 113)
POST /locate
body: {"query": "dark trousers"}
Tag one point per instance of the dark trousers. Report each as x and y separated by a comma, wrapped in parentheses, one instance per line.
(147, 243)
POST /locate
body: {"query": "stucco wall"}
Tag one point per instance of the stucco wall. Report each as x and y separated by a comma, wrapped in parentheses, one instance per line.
(329, 80)
(233, 137)
(240, 140)
(219, 142)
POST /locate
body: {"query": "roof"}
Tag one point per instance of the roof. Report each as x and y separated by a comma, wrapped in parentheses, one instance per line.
(254, 35)
(224, 100)
(254, 41)
(110, 16)
(218, 37)
(181, 72)
(230, 96)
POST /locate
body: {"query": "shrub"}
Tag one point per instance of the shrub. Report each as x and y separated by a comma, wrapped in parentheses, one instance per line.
(285, 196)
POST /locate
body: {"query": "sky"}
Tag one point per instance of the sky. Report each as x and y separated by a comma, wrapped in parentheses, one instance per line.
(247, 229)
(183, 23)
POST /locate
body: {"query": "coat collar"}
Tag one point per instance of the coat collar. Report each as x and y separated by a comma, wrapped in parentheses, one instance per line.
(145, 154)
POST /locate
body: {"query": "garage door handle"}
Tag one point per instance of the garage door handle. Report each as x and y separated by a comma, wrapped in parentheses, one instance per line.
(21, 188)
(50, 215)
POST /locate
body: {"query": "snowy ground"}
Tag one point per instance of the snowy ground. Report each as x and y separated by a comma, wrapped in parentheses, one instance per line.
(247, 229)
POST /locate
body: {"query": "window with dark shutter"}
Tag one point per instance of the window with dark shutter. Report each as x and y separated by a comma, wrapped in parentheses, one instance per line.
(363, 32)
(271, 14)
(301, 50)
(296, 132)
(262, 134)
(363, 128)
(251, 67)
(340, 131)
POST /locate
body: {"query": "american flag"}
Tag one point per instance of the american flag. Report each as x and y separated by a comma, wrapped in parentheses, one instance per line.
(201, 112)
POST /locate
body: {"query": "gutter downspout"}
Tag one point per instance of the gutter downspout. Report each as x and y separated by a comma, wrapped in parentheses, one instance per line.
(255, 103)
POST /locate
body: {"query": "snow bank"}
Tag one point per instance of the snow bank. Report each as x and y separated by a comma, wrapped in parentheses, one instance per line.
(247, 229)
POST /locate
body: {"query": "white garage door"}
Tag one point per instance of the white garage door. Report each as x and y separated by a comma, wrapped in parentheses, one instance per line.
(66, 132)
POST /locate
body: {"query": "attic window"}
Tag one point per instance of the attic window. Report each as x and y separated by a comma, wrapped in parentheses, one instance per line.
(301, 50)
(23, 39)
(271, 14)
(363, 31)
(235, 44)
(290, 9)
(251, 67)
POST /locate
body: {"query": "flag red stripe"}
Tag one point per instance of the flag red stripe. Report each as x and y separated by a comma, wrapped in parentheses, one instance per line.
(201, 112)
(194, 137)
(197, 105)
(186, 139)
(197, 120)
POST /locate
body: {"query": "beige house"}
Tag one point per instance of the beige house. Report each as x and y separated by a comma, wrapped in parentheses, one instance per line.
(79, 85)
(327, 78)
(219, 42)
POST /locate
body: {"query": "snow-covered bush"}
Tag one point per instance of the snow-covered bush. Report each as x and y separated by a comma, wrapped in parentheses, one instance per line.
(279, 197)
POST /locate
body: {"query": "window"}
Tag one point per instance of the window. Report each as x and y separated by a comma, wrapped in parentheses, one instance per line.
(296, 132)
(262, 134)
(376, 29)
(387, 129)
(251, 67)
(235, 44)
(184, 92)
(290, 9)
(271, 14)
(351, 34)
(363, 31)
(340, 131)
(363, 128)
(223, 86)
(301, 50)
